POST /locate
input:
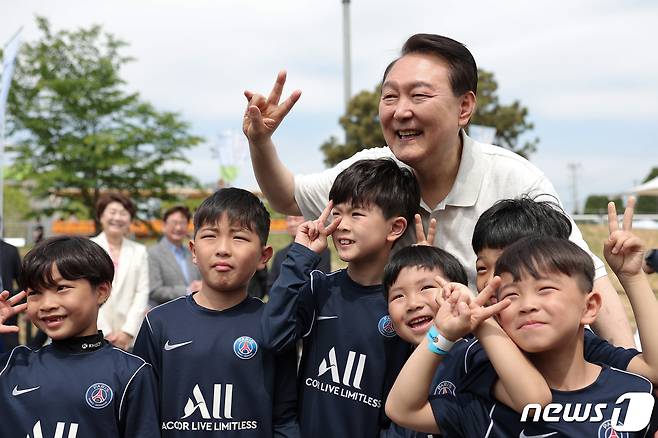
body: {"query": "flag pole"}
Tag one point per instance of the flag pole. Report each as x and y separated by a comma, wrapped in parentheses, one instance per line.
(9, 53)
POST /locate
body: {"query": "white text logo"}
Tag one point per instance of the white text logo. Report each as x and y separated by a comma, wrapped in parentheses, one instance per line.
(335, 373)
(200, 402)
(59, 430)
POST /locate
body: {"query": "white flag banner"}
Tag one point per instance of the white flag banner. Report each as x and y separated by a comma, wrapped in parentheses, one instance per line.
(232, 151)
(8, 58)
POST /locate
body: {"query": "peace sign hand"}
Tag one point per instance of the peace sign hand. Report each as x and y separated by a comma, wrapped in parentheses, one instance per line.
(8, 308)
(263, 116)
(459, 312)
(313, 234)
(623, 250)
(421, 239)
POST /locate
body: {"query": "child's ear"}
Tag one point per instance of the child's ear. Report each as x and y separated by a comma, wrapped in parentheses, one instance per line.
(398, 227)
(103, 292)
(265, 256)
(593, 303)
(191, 244)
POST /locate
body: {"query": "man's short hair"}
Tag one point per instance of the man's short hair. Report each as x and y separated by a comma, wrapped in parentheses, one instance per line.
(177, 209)
(463, 69)
(509, 220)
(240, 206)
(540, 256)
(76, 258)
(423, 257)
(107, 198)
(381, 183)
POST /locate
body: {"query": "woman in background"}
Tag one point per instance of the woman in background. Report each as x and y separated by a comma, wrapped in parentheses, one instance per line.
(121, 316)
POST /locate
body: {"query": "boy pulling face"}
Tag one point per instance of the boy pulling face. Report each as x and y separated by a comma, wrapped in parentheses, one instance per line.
(207, 348)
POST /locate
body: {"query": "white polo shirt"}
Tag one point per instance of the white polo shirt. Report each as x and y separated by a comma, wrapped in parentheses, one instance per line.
(486, 175)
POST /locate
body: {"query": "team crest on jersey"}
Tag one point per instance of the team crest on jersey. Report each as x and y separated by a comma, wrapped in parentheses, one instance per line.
(606, 431)
(385, 327)
(444, 388)
(245, 347)
(99, 395)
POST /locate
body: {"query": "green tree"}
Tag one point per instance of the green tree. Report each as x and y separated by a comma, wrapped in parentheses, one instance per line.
(510, 121)
(361, 123)
(75, 130)
(598, 204)
(648, 204)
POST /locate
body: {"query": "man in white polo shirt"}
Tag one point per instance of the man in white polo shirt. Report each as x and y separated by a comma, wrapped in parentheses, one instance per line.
(428, 97)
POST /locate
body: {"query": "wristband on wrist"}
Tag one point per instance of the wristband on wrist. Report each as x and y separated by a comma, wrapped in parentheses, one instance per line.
(438, 344)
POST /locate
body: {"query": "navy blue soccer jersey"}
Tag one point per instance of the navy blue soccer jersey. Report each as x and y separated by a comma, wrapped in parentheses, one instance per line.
(463, 402)
(351, 354)
(77, 388)
(214, 376)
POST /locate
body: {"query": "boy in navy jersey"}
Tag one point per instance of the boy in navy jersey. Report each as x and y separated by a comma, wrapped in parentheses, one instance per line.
(351, 353)
(214, 376)
(409, 289)
(566, 275)
(80, 385)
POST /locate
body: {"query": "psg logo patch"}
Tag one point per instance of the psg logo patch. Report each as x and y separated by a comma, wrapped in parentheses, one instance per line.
(99, 395)
(606, 431)
(245, 347)
(444, 388)
(385, 327)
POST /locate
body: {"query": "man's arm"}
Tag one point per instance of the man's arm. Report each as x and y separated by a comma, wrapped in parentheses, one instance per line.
(261, 118)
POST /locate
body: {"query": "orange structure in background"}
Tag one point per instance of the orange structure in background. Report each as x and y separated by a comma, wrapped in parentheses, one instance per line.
(139, 229)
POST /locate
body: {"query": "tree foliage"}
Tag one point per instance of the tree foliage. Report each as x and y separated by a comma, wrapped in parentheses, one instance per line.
(361, 123)
(76, 131)
(598, 204)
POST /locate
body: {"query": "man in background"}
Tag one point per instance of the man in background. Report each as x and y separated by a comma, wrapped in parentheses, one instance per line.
(171, 271)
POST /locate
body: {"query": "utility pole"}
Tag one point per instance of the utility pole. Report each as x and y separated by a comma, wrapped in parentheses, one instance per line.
(347, 62)
(573, 181)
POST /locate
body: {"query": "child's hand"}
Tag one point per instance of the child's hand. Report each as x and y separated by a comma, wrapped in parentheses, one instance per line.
(623, 250)
(459, 312)
(313, 234)
(8, 308)
(421, 239)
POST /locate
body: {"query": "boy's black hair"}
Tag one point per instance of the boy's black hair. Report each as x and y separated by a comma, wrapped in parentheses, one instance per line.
(240, 206)
(423, 257)
(76, 258)
(380, 183)
(509, 220)
(541, 256)
(463, 69)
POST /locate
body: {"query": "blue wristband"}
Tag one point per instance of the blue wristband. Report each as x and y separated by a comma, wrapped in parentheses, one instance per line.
(438, 344)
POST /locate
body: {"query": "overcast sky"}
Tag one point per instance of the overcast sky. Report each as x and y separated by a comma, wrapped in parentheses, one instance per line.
(584, 69)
